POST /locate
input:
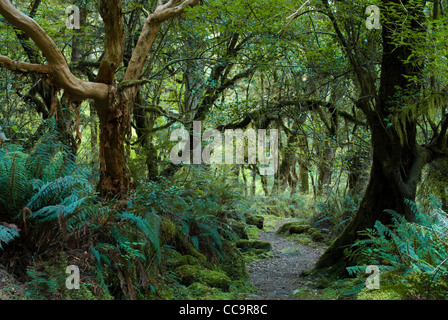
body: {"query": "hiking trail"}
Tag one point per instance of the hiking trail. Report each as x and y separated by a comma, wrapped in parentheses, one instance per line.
(278, 276)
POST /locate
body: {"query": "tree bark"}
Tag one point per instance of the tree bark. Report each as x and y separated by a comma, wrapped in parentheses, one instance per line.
(304, 177)
(358, 177)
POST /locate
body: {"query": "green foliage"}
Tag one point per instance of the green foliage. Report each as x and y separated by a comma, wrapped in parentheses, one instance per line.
(335, 211)
(40, 285)
(43, 185)
(47, 193)
(415, 254)
(198, 209)
(7, 235)
(26, 179)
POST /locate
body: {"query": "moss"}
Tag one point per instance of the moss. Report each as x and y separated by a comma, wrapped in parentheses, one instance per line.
(196, 254)
(381, 294)
(189, 274)
(254, 250)
(255, 220)
(242, 287)
(245, 245)
(316, 235)
(85, 293)
(323, 283)
(168, 231)
(234, 264)
(201, 291)
(253, 232)
(293, 228)
(305, 294)
(256, 255)
(176, 260)
(271, 222)
(239, 228)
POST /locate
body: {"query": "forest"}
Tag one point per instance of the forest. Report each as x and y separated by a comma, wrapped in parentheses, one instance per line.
(223, 150)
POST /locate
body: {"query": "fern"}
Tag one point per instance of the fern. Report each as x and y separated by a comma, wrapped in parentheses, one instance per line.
(65, 209)
(14, 182)
(45, 182)
(57, 190)
(7, 235)
(145, 227)
(407, 248)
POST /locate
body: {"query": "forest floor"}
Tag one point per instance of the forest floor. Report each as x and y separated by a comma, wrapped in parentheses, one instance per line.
(279, 276)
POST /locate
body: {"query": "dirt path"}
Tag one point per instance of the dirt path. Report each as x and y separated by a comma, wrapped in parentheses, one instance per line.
(277, 277)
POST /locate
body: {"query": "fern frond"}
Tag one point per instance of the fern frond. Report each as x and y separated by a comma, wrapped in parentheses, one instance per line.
(7, 235)
(56, 190)
(146, 229)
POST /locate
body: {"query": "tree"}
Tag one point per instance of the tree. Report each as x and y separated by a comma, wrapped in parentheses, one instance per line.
(113, 102)
(392, 111)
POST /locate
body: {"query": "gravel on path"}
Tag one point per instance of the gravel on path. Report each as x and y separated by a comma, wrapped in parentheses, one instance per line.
(278, 276)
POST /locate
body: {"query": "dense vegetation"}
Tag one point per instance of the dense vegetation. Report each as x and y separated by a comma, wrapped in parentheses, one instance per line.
(89, 118)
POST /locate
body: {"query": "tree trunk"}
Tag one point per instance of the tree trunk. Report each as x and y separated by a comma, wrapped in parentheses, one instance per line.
(303, 177)
(293, 180)
(325, 168)
(287, 164)
(264, 184)
(254, 179)
(383, 192)
(358, 177)
(114, 126)
(397, 159)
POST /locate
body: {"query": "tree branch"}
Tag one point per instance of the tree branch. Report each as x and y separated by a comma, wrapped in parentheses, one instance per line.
(23, 67)
(112, 15)
(149, 33)
(59, 71)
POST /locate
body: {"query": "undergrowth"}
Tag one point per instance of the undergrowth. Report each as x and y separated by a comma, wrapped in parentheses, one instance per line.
(51, 217)
(412, 256)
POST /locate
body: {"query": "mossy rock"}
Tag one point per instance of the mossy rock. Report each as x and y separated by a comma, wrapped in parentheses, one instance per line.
(316, 235)
(239, 228)
(293, 228)
(246, 245)
(176, 260)
(382, 294)
(189, 274)
(255, 220)
(253, 232)
(201, 291)
(168, 231)
(234, 264)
